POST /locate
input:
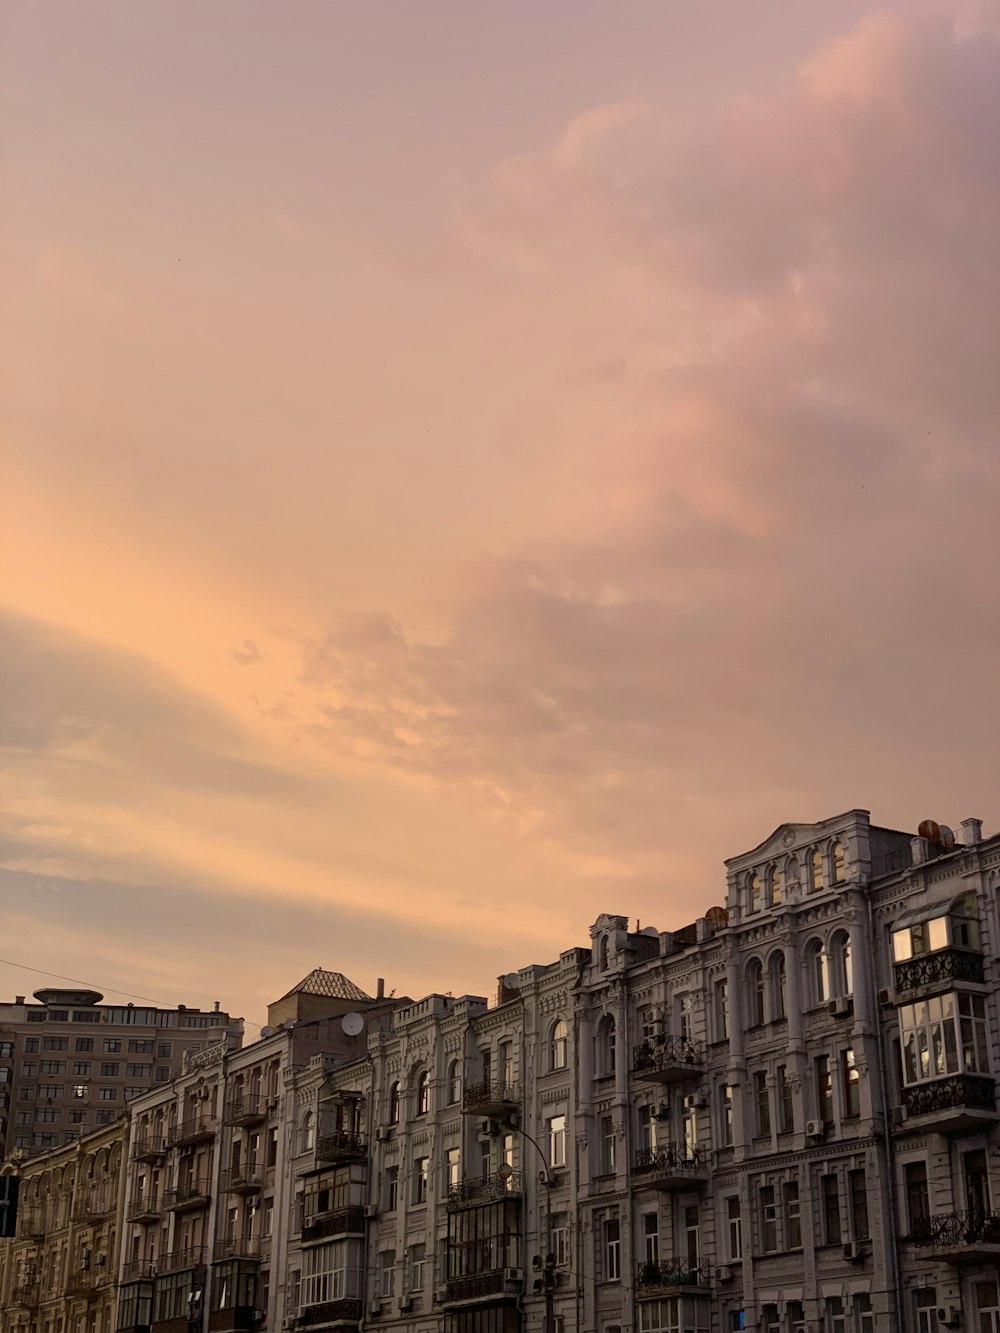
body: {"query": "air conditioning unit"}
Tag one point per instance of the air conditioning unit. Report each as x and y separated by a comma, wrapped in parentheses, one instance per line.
(897, 1117)
(841, 1006)
(661, 1111)
(950, 1318)
(441, 1295)
(383, 1134)
(371, 1210)
(885, 996)
(406, 1303)
(854, 1252)
(259, 1316)
(513, 1277)
(375, 1311)
(815, 1129)
(289, 1321)
(726, 1272)
(700, 1100)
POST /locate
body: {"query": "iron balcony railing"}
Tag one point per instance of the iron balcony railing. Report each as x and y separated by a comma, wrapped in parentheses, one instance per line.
(891, 863)
(139, 1268)
(31, 1223)
(92, 1204)
(331, 1312)
(939, 968)
(672, 1157)
(485, 1189)
(85, 1278)
(249, 1110)
(243, 1179)
(482, 1286)
(146, 1206)
(950, 1230)
(349, 1221)
(667, 1054)
(193, 1130)
(148, 1148)
(490, 1095)
(177, 1261)
(677, 1272)
(244, 1247)
(342, 1145)
(975, 1092)
(27, 1295)
(190, 1194)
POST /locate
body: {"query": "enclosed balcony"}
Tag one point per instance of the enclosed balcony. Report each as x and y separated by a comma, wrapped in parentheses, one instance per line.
(200, 1128)
(668, 1059)
(145, 1207)
(672, 1276)
(492, 1099)
(672, 1166)
(503, 1184)
(953, 1105)
(962, 1238)
(149, 1148)
(343, 1145)
(929, 971)
(331, 1314)
(246, 1111)
(245, 1179)
(188, 1195)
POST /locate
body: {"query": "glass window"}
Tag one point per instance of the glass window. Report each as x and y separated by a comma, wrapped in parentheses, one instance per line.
(768, 1218)
(423, 1092)
(111, 1045)
(721, 1011)
(421, 1177)
(779, 987)
(107, 1094)
(418, 1255)
(394, 1104)
(858, 1189)
(557, 1140)
(830, 1187)
(817, 879)
(755, 992)
(852, 1083)
(776, 886)
(786, 1103)
(946, 1034)
(387, 1273)
(454, 1083)
(31, 1045)
(836, 1320)
(559, 1045)
(608, 1145)
(755, 893)
(735, 1221)
(863, 1315)
(726, 1113)
(391, 1189)
(925, 1307)
(560, 1237)
(612, 1250)
(918, 1206)
(651, 1238)
(824, 1088)
(819, 971)
(84, 1044)
(452, 1168)
(839, 863)
(762, 1101)
(793, 1220)
(55, 1043)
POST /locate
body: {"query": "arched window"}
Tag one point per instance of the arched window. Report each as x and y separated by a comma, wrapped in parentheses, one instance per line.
(842, 973)
(819, 971)
(839, 863)
(817, 879)
(307, 1132)
(422, 1101)
(393, 1118)
(755, 993)
(775, 886)
(602, 953)
(559, 1045)
(779, 986)
(755, 893)
(454, 1083)
(606, 1046)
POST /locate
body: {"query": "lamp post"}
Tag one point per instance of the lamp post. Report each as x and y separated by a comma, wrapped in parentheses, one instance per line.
(543, 1265)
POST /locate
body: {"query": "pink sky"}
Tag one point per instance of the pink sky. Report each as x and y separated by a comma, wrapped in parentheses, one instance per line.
(470, 467)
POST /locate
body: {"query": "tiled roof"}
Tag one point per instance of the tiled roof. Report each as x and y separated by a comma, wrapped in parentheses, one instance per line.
(332, 984)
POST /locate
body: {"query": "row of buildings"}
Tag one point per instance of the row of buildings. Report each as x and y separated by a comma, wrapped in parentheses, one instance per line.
(781, 1117)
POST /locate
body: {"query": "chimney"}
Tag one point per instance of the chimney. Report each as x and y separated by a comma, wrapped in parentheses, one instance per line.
(380, 989)
(972, 831)
(19, 999)
(216, 1007)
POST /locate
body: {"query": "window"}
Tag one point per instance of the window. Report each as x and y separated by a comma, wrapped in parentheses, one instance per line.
(612, 1250)
(77, 1117)
(721, 1011)
(830, 1193)
(775, 886)
(421, 1177)
(55, 1043)
(140, 1047)
(417, 1260)
(768, 1218)
(608, 1145)
(53, 1066)
(558, 1045)
(136, 1091)
(858, 1192)
(6, 1050)
(105, 1117)
(918, 1208)
(685, 1009)
(391, 1189)
(602, 953)
(692, 1234)
(330, 1272)
(31, 1045)
(796, 1316)
(779, 986)
(81, 1067)
(29, 1069)
(107, 1094)
(109, 1069)
(393, 1117)
(762, 1101)
(735, 1221)
(755, 992)
(944, 1035)
(726, 1113)
(817, 878)
(925, 1307)
(137, 1071)
(162, 1074)
(163, 1050)
(839, 861)
(452, 1168)
(819, 972)
(111, 1046)
(864, 1318)
(843, 970)
(605, 1046)
(852, 1083)
(84, 1044)
(824, 1088)
(786, 1103)
(307, 1132)
(793, 1219)
(454, 1083)
(769, 1319)
(387, 1273)
(560, 1237)
(651, 1238)
(505, 1064)
(48, 1115)
(755, 893)
(423, 1098)
(557, 1141)
(79, 1091)
(836, 1321)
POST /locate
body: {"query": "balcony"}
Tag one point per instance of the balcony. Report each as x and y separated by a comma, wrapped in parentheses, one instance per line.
(668, 1060)
(348, 1221)
(240, 1247)
(498, 1284)
(344, 1145)
(493, 1099)
(246, 1111)
(195, 1129)
(672, 1166)
(31, 1224)
(145, 1208)
(84, 1281)
(331, 1312)
(92, 1205)
(246, 1179)
(27, 1296)
(191, 1194)
(673, 1276)
(970, 1237)
(939, 969)
(952, 1105)
(178, 1261)
(149, 1148)
(137, 1270)
(486, 1189)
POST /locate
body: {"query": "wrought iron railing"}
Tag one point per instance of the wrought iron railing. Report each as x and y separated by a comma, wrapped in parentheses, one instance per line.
(657, 1054)
(945, 965)
(246, 1110)
(675, 1272)
(976, 1092)
(337, 1222)
(148, 1204)
(85, 1278)
(953, 1229)
(476, 1286)
(498, 1185)
(92, 1203)
(245, 1247)
(191, 1192)
(195, 1127)
(176, 1261)
(678, 1157)
(490, 1092)
(249, 1176)
(331, 1312)
(148, 1146)
(27, 1295)
(340, 1144)
(139, 1268)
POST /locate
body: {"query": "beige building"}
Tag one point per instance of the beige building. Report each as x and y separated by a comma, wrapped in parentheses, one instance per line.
(70, 1063)
(59, 1274)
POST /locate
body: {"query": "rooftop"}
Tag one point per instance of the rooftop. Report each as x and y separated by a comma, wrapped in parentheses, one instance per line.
(334, 985)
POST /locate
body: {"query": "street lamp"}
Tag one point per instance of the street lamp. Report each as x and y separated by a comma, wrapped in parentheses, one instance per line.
(543, 1265)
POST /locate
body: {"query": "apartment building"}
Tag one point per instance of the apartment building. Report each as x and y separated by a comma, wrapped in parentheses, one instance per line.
(59, 1274)
(70, 1063)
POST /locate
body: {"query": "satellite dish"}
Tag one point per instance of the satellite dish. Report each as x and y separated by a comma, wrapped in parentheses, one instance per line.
(511, 982)
(353, 1024)
(266, 1031)
(505, 1172)
(929, 831)
(717, 918)
(374, 1026)
(947, 838)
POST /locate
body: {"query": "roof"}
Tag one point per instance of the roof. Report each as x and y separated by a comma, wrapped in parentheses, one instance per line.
(334, 985)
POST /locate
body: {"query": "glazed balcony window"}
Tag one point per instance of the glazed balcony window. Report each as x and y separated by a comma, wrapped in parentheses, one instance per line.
(946, 1034)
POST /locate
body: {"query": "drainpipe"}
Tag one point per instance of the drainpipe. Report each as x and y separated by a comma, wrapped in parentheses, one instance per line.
(886, 1146)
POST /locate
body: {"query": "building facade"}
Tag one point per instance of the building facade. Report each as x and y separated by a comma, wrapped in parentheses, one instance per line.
(780, 1117)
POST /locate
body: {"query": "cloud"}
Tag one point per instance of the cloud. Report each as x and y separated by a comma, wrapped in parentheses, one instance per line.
(247, 654)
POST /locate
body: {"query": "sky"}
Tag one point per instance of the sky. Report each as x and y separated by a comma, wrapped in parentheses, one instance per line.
(471, 467)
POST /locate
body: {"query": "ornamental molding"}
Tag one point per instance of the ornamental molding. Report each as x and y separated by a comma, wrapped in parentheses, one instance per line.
(552, 1095)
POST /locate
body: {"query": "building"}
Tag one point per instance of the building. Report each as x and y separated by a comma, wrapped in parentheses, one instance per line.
(69, 1063)
(59, 1274)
